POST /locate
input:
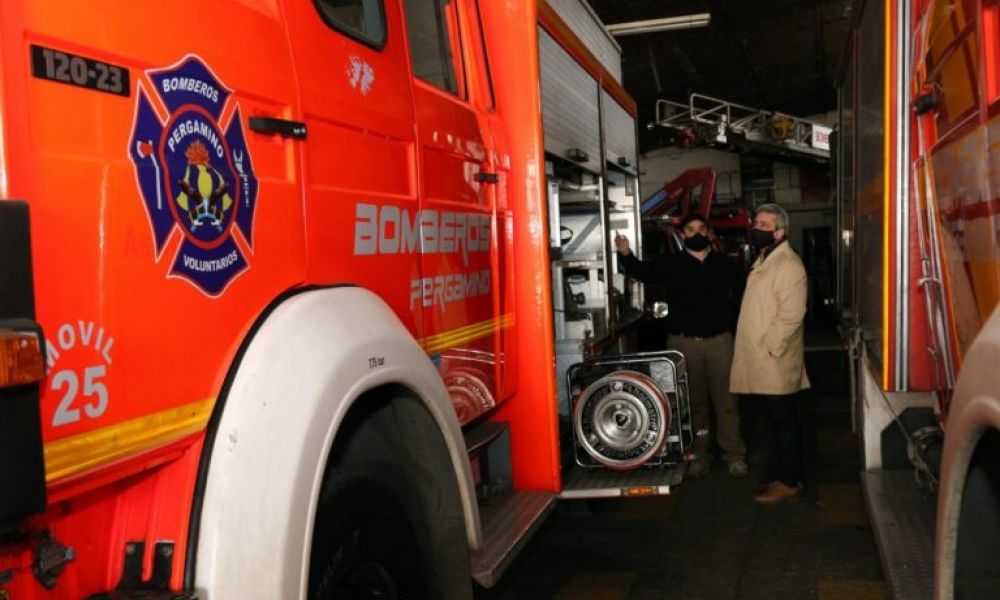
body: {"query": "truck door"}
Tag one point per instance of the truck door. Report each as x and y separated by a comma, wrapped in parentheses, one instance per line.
(163, 223)
(458, 182)
(360, 169)
(498, 163)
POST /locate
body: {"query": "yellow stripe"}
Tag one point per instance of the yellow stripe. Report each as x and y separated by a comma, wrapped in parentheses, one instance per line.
(455, 337)
(85, 451)
(450, 339)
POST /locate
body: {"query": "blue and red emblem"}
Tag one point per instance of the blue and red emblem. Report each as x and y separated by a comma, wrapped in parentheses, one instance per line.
(195, 174)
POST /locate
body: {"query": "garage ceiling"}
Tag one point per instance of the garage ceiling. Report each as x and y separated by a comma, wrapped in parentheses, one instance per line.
(777, 55)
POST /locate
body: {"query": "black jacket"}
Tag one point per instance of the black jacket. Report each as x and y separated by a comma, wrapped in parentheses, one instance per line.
(699, 293)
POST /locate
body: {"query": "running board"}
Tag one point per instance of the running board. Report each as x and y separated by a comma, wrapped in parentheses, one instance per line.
(507, 527)
(903, 519)
(580, 482)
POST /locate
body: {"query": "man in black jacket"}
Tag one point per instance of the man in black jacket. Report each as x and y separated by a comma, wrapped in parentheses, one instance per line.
(699, 289)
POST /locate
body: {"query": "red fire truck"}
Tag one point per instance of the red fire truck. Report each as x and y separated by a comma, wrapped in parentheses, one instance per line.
(918, 186)
(276, 309)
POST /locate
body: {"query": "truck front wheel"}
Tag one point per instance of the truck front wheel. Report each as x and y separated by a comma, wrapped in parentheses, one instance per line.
(364, 545)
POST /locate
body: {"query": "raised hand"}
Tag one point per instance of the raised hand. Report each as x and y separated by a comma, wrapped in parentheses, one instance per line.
(621, 244)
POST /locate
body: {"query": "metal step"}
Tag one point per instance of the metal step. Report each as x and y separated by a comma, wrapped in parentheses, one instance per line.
(903, 518)
(507, 527)
(479, 436)
(580, 482)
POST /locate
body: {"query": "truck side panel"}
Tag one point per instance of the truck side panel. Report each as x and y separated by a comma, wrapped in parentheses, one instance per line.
(162, 225)
(128, 293)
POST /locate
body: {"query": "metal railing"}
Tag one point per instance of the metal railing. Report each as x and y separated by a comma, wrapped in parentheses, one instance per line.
(716, 119)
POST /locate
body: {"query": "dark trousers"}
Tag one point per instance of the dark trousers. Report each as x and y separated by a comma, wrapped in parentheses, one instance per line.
(709, 361)
(788, 428)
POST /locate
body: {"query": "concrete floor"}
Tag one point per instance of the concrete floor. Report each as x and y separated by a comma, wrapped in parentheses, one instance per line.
(709, 540)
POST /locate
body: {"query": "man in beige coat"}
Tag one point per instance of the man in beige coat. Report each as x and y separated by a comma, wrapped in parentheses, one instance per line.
(768, 352)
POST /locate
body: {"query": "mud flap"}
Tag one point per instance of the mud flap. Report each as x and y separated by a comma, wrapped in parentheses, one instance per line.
(22, 470)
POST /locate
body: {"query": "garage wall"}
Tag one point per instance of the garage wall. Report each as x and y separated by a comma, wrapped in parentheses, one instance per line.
(660, 166)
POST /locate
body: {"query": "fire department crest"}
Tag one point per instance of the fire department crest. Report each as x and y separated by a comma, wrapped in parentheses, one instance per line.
(194, 173)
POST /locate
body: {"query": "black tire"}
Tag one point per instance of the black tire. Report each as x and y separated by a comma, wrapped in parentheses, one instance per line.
(977, 573)
(364, 545)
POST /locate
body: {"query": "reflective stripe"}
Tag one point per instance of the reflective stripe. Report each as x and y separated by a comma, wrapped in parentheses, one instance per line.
(450, 339)
(71, 455)
(887, 206)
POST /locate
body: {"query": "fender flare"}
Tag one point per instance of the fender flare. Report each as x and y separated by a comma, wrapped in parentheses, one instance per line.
(975, 409)
(298, 376)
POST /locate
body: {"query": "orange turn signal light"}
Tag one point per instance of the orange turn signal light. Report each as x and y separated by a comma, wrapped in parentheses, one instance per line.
(20, 358)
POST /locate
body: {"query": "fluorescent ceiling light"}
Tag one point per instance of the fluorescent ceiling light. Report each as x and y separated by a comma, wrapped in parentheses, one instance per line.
(665, 24)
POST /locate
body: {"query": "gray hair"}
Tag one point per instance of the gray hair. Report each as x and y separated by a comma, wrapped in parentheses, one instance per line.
(780, 214)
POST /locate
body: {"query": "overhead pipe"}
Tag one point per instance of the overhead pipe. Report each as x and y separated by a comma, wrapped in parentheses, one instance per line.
(665, 24)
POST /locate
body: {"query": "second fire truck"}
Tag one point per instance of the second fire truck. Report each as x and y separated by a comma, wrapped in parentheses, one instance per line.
(300, 298)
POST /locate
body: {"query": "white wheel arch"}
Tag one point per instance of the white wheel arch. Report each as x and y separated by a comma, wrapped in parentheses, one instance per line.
(975, 409)
(301, 372)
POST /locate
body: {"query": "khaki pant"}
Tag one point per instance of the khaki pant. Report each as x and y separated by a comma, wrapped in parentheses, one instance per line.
(708, 364)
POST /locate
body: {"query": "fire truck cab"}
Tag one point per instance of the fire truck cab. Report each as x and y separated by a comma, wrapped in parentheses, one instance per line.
(288, 268)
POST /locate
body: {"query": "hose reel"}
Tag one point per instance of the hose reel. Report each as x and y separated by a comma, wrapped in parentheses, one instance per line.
(629, 411)
(622, 420)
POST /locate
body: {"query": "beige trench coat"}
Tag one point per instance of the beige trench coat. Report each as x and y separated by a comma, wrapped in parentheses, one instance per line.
(767, 355)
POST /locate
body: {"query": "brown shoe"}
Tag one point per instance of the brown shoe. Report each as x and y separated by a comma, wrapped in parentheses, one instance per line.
(777, 492)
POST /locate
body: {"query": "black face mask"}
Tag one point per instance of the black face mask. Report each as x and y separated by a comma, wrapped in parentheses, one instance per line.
(761, 239)
(697, 242)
